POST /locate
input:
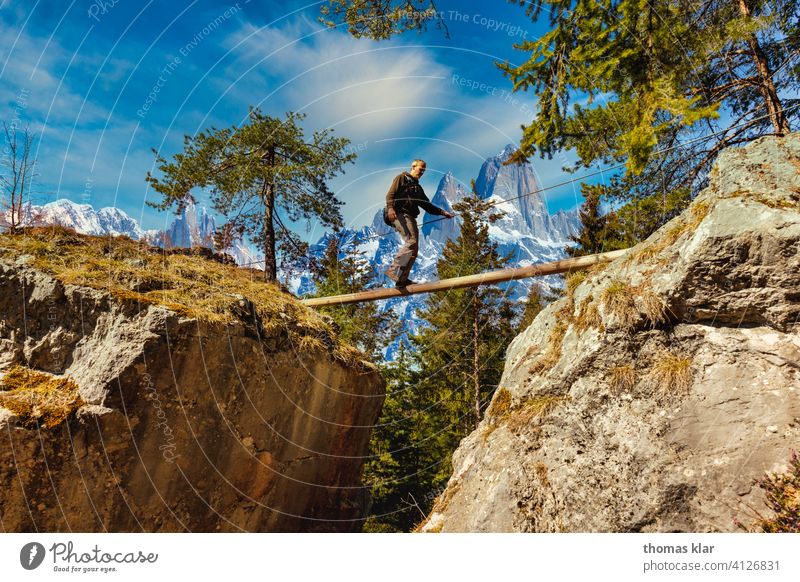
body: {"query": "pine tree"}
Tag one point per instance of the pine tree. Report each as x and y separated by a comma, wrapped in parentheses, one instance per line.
(253, 173)
(461, 348)
(595, 235)
(684, 78)
(397, 474)
(664, 67)
(345, 270)
(379, 19)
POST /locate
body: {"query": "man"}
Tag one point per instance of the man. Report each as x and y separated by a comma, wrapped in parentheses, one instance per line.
(403, 200)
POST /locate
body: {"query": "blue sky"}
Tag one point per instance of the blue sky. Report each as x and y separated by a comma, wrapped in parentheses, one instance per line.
(103, 82)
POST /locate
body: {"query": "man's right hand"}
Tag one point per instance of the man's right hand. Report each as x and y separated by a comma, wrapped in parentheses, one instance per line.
(391, 214)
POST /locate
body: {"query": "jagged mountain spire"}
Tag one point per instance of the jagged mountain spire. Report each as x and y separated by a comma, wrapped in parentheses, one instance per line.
(526, 211)
(449, 191)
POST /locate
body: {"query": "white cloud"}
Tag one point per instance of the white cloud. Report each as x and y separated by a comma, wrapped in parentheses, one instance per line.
(360, 87)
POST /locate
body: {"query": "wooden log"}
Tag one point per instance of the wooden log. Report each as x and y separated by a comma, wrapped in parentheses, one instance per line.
(489, 278)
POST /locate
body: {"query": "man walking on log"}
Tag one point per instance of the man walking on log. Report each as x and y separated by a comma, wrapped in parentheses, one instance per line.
(403, 200)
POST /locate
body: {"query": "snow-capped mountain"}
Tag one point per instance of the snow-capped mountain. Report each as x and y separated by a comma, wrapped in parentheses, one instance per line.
(84, 219)
(193, 227)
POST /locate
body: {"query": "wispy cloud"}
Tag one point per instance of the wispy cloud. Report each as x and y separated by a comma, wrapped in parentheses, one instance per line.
(357, 86)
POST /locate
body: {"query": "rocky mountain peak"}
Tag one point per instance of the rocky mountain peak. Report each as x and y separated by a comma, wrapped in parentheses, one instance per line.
(193, 227)
(507, 152)
(448, 193)
(517, 183)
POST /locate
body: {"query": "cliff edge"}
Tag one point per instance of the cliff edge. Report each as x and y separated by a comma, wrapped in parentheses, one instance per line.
(148, 392)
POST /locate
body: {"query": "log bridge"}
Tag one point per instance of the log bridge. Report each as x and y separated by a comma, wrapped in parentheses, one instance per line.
(489, 278)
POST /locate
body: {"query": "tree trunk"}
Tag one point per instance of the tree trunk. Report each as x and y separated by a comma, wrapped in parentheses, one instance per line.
(766, 84)
(270, 265)
(268, 199)
(489, 278)
(476, 358)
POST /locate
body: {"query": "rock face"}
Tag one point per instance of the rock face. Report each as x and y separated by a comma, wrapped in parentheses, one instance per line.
(193, 227)
(449, 192)
(651, 396)
(187, 425)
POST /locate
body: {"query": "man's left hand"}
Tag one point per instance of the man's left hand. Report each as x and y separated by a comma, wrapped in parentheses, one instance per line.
(448, 214)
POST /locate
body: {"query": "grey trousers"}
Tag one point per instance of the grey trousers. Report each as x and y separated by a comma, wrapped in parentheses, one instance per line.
(406, 226)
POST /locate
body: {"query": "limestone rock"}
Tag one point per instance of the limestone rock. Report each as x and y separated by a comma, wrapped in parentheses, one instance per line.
(187, 426)
(651, 396)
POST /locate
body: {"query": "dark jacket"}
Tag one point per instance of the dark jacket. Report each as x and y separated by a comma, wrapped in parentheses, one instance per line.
(405, 195)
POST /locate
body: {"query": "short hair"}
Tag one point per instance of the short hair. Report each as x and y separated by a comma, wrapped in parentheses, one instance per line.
(418, 162)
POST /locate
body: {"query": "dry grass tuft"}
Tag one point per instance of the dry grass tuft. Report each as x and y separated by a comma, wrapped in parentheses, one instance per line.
(522, 415)
(191, 285)
(792, 203)
(622, 378)
(588, 316)
(653, 306)
(37, 398)
(697, 213)
(553, 353)
(618, 300)
(628, 303)
(500, 403)
(445, 498)
(497, 411)
(517, 417)
(439, 506)
(572, 281)
(672, 373)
